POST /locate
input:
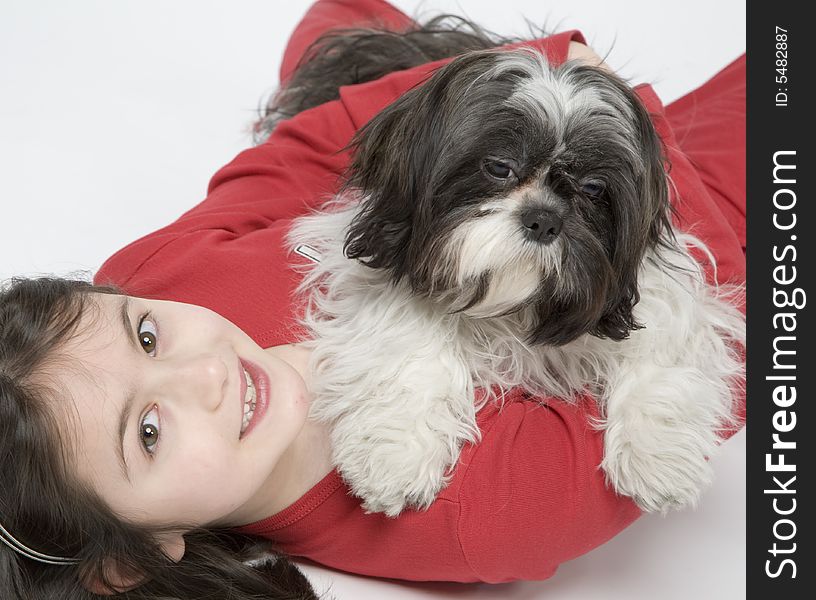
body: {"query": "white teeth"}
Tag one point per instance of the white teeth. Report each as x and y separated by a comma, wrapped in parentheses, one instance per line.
(249, 402)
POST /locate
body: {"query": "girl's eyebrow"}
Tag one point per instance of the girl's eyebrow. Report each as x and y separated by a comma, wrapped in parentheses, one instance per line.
(127, 326)
(130, 397)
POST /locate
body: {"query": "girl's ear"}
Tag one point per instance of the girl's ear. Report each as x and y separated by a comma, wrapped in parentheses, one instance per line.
(123, 579)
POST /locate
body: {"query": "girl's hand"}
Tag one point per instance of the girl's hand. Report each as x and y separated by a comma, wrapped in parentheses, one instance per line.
(579, 51)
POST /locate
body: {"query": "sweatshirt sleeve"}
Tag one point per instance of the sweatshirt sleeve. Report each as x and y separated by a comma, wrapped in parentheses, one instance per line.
(696, 212)
(533, 495)
(297, 169)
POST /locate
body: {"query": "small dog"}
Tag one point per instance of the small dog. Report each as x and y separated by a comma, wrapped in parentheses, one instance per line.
(507, 224)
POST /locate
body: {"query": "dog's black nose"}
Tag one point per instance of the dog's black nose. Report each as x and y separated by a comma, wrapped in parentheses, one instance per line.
(541, 225)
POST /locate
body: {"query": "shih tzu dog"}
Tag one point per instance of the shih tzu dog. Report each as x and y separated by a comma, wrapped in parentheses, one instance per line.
(507, 224)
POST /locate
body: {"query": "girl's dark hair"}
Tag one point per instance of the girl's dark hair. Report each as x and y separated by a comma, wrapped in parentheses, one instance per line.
(350, 56)
(47, 509)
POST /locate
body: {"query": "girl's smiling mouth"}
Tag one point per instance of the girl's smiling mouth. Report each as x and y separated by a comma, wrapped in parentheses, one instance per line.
(254, 396)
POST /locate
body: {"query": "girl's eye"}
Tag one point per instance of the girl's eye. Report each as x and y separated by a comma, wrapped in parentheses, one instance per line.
(148, 335)
(498, 169)
(149, 430)
(593, 189)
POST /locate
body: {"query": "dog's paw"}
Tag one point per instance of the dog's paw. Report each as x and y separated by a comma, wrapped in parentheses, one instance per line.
(658, 440)
(661, 467)
(395, 446)
(391, 477)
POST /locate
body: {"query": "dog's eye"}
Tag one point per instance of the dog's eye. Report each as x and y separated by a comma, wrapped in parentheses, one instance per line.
(593, 189)
(498, 169)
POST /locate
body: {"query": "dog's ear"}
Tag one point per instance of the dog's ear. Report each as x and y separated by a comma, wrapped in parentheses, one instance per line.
(398, 156)
(381, 175)
(642, 219)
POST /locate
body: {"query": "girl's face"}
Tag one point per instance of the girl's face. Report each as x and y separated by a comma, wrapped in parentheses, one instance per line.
(158, 407)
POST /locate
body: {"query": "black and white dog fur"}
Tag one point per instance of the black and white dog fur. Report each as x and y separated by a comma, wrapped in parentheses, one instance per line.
(507, 224)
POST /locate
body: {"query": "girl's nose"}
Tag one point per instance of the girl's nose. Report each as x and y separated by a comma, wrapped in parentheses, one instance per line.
(201, 379)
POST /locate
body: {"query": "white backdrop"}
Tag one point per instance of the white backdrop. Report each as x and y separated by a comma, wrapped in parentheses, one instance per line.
(113, 115)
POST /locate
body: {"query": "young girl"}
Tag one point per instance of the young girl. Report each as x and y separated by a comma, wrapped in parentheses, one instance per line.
(128, 463)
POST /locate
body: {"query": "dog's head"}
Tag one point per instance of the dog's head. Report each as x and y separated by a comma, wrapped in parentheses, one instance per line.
(503, 183)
